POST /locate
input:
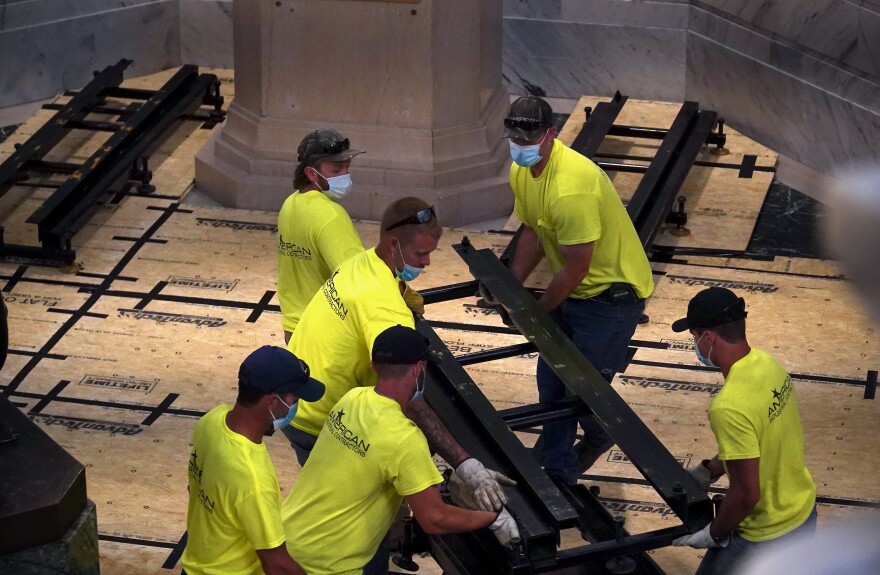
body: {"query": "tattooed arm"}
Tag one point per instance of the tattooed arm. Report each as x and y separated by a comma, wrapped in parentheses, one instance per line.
(439, 439)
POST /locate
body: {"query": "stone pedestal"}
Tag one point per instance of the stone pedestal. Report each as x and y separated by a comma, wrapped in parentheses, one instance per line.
(415, 84)
(75, 553)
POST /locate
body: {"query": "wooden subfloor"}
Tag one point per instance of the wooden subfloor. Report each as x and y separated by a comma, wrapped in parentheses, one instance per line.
(118, 361)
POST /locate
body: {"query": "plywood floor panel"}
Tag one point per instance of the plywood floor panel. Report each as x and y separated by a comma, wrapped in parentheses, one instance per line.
(106, 362)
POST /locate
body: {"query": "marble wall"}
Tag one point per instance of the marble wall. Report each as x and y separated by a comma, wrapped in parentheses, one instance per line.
(820, 108)
(206, 33)
(801, 76)
(567, 48)
(47, 46)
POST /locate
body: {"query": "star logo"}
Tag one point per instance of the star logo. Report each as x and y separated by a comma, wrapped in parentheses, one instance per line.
(776, 395)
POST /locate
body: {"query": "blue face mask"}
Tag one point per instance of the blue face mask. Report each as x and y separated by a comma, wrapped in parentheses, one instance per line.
(280, 423)
(704, 360)
(420, 386)
(338, 186)
(408, 273)
(526, 156)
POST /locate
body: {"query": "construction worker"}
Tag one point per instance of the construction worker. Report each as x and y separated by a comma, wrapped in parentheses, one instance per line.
(233, 520)
(369, 457)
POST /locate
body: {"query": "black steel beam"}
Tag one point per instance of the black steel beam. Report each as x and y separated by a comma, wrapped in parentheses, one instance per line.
(59, 216)
(597, 126)
(653, 198)
(671, 481)
(53, 131)
(537, 414)
(498, 353)
(449, 292)
(538, 506)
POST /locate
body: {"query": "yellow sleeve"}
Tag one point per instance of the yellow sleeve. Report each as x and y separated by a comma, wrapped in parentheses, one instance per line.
(735, 434)
(382, 319)
(576, 218)
(260, 516)
(413, 470)
(337, 241)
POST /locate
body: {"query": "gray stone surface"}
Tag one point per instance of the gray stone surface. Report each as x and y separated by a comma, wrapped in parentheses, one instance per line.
(569, 59)
(206, 33)
(788, 114)
(76, 553)
(40, 60)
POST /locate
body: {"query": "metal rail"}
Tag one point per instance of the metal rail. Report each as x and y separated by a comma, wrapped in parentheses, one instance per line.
(112, 168)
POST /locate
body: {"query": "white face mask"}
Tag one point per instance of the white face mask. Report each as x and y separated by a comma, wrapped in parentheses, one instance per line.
(339, 186)
(419, 391)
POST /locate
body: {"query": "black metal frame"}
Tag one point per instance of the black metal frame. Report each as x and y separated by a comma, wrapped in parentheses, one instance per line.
(119, 161)
(541, 507)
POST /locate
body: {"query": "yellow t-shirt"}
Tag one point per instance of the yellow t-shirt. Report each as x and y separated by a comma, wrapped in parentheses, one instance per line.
(315, 235)
(336, 333)
(574, 202)
(367, 458)
(755, 414)
(234, 501)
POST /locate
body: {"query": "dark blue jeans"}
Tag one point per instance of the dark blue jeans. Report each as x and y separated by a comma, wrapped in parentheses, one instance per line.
(721, 561)
(601, 329)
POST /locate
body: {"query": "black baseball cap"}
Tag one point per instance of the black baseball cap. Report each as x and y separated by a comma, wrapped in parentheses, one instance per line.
(273, 369)
(712, 307)
(527, 118)
(326, 145)
(402, 345)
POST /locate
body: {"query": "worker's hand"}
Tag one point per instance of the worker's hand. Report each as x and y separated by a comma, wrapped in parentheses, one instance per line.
(414, 301)
(505, 529)
(485, 484)
(505, 317)
(487, 296)
(702, 539)
(460, 493)
(703, 474)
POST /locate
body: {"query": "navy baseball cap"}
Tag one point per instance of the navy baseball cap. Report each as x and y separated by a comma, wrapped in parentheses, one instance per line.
(712, 307)
(402, 345)
(273, 369)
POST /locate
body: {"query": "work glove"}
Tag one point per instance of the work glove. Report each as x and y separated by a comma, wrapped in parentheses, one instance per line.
(484, 484)
(459, 492)
(702, 539)
(414, 301)
(505, 529)
(487, 296)
(701, 473)
(488, 300)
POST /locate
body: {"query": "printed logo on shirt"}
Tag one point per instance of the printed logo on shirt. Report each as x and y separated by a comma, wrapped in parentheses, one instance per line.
(347, 437)
(752, 287)
(780, 399)
(195, 472)
(292, 250)
(333, 298)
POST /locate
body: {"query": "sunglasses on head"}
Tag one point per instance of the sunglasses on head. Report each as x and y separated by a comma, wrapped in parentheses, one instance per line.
(527, 124)
(326, 148)
(421, 217)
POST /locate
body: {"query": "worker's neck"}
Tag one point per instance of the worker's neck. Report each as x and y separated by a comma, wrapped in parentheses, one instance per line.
(538, 168)
(393, 389)
(731, 353)
(246, 422)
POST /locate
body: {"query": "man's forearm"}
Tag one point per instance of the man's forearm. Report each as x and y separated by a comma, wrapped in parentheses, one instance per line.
(439, 439)
(734, 508)
(527, 254)
(560, 287)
